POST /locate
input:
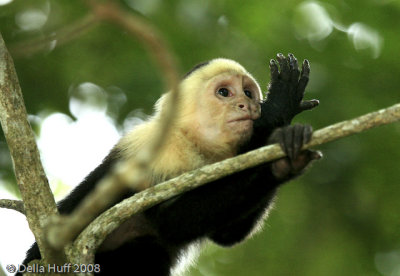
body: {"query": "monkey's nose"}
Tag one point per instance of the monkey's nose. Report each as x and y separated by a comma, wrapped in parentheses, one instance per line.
(243, 106)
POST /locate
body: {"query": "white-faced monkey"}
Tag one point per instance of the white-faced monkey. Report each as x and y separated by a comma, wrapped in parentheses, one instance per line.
(222, 113)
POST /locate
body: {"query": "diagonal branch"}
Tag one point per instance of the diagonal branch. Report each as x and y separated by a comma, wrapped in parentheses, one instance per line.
(133, 173)
(94, 234)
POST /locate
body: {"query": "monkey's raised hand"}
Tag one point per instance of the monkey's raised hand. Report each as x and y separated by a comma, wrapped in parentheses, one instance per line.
(286, 89)
(291, 139)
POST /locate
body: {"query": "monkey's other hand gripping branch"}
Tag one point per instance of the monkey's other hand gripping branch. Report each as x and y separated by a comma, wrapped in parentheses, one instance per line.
(286, 89)
(291, 139)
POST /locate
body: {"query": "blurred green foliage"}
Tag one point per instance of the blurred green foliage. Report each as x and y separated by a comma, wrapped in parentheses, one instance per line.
(343, 216)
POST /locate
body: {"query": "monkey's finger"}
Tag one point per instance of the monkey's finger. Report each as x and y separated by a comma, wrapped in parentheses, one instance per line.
(307, 105)
(307, 134)
(284, 65)
(304, 77)
(305, 70)
(298, 139)
(303, 160)
(277, 136)
(294, 69)
(316, 155)
(274, 70)
(288, 142)
(301, 87)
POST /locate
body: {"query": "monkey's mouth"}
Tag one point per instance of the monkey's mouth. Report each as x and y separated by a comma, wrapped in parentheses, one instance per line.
(241, 124)
(241, 119)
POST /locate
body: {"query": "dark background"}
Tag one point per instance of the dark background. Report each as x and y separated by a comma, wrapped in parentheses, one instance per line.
(343, 216)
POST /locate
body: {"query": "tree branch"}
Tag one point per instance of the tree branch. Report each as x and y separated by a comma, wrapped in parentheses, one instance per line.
(62, 230)
(38, 200)
(94, 234)
(17, 205)
(133, 173)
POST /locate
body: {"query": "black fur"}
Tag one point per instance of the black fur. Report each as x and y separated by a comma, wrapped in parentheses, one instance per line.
(195, 68)
(66, 205)
(225, 211)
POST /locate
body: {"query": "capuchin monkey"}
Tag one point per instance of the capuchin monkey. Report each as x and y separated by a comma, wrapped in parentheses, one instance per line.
(221, 114)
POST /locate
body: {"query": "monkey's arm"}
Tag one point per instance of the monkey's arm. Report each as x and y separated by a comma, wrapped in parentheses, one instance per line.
(238, 230)
(236, 201)
(204, 210)
(290, 138)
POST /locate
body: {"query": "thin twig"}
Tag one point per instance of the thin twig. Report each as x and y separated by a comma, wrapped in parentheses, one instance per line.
(56, 38)
(95, 233)
(161, 55)
(17, 205)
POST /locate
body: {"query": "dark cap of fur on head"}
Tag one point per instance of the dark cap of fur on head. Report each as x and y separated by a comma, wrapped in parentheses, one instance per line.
(198, 66)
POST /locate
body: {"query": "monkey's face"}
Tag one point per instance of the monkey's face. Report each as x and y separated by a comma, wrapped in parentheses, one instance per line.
(225, 111)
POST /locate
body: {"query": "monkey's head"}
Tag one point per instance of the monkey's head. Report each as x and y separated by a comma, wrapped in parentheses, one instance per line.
(219, 101)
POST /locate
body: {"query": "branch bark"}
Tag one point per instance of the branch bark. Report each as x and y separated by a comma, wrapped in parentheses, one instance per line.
(32, 181)
(62, 230)
(17, 205)
(38, 200)
(91, 238)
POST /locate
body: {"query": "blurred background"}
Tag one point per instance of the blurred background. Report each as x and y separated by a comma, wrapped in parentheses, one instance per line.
(85, 91)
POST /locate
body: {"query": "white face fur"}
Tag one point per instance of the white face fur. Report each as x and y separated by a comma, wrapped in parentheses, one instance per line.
(227, 109)
(224, 109)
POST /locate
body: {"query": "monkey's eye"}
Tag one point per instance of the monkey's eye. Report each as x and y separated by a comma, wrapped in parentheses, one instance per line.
(224, 92)
(248, 93)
